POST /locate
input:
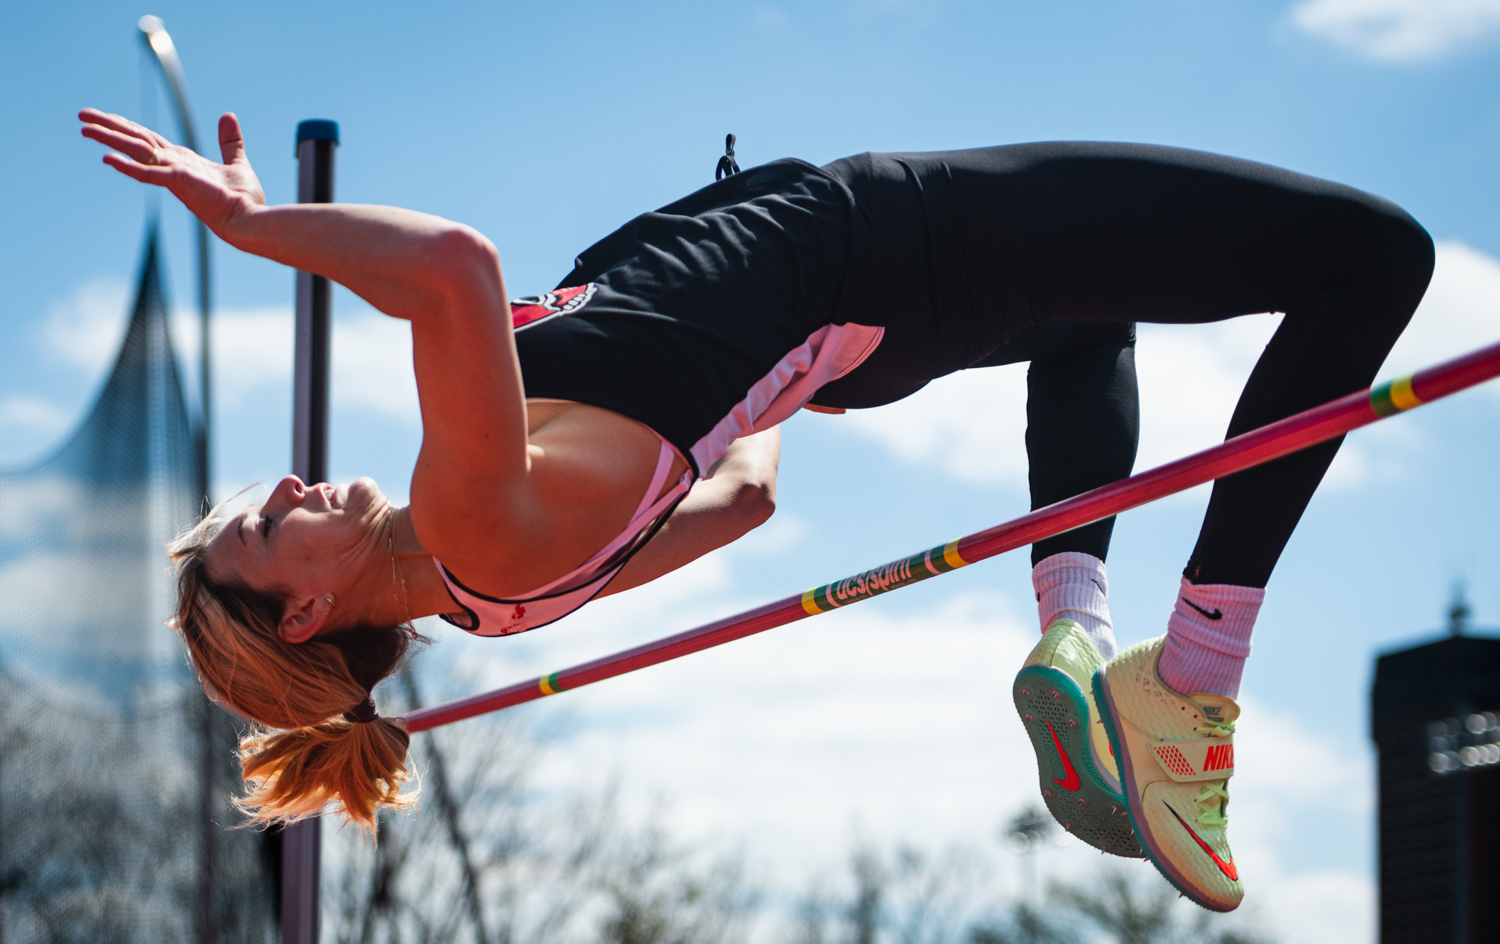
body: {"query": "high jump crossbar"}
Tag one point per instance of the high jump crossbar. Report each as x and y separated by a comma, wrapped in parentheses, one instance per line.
(1278, 439)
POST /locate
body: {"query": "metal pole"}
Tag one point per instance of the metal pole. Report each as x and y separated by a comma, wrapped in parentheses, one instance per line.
(154, 35)
(1253, 448)
(316, 141)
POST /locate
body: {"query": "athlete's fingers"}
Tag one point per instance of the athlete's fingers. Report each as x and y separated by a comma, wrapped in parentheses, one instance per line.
(93, 117)
(116, 134)
(136, 148)
(160, 176)
(97, 122)
(231, 139)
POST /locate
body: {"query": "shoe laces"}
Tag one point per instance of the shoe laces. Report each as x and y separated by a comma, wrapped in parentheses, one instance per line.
(1218, 729)
(1214, 797)
(1212, 801)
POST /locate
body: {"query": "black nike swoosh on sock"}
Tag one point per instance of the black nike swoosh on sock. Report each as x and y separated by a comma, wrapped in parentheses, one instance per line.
(1216, 614)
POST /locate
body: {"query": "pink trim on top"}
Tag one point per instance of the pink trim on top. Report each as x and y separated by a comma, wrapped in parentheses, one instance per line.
(492, 616)
(828, 354)
(644, 512)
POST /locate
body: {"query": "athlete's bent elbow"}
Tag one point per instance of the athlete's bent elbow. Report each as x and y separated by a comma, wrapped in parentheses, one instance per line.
(463, 260)
(755, 503)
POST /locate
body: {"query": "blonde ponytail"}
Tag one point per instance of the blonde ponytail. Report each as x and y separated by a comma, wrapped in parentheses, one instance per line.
(302, 754)
(293, 774)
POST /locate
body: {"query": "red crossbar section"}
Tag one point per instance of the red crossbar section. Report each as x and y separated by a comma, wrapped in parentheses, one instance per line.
(1253, 448)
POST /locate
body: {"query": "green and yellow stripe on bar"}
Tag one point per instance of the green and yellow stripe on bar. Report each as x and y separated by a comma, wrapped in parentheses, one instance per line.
(1394, 397)
(872, 583)
(549, 684)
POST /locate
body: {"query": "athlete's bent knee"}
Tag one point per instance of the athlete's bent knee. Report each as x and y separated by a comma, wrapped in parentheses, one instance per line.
(1399, 251)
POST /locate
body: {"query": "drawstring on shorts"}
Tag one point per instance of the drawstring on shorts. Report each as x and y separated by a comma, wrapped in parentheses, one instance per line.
(727, 164)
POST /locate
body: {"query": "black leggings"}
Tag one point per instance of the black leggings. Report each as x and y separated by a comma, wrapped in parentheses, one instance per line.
(1048, 252)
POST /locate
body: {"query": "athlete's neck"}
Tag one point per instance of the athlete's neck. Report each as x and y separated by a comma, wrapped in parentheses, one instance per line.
(415, 588)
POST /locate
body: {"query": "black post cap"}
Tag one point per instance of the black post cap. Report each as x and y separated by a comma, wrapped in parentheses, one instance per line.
(317, 129)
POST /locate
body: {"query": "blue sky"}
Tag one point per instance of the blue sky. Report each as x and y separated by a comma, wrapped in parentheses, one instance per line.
(547, 125)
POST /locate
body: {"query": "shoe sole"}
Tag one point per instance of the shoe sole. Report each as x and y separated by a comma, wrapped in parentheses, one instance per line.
(1153, 852)
(1051, 703)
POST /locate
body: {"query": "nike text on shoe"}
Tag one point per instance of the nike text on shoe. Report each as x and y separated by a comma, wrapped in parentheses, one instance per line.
(1078, 775)
(1176, 755)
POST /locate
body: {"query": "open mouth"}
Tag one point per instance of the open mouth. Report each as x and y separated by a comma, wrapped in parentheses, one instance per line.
(329, 494)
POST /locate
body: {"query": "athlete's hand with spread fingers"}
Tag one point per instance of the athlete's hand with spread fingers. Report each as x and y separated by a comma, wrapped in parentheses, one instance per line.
(218, 194)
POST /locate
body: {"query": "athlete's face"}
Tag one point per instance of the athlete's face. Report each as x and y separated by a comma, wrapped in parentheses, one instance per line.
(305, 541)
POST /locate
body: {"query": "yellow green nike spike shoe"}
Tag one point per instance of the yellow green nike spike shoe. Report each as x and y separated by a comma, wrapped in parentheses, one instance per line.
(1176, 756)
(1078, 775)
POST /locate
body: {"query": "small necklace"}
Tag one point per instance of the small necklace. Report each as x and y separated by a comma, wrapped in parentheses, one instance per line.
(398, 575)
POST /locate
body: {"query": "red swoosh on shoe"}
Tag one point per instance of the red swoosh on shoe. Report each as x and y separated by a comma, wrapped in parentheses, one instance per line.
(1226, 867)
(1070, 779)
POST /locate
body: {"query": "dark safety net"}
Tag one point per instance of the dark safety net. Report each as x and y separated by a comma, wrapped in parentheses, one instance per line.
(115, 773)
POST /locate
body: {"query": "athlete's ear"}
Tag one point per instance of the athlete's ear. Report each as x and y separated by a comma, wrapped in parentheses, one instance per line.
(304, 617)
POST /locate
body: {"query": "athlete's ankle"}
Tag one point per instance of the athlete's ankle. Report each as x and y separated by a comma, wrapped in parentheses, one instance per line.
(1074, 586)
(1208, 638)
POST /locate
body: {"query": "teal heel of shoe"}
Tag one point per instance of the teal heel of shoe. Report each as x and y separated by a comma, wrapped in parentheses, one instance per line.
(1055, 712)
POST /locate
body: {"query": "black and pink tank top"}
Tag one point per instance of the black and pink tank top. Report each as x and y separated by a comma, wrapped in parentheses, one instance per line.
(714, 317)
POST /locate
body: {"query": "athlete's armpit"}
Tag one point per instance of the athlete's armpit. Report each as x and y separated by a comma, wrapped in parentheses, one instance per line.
(737, 496)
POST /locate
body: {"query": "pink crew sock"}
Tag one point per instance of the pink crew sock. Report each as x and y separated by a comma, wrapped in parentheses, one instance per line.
(1074, 586)
(1208, 638)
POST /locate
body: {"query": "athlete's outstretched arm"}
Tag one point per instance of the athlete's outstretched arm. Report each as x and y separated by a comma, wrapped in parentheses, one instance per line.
(441, 276)
(405, 263)
(737, 496)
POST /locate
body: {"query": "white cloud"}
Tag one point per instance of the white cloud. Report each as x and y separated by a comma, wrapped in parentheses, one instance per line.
(84, 329)
(1191, 377)
(970, 424)
(1323, 907)
(371, 366)
(252, 349)
(32, 413)
(1400, 30)
(1275, 752)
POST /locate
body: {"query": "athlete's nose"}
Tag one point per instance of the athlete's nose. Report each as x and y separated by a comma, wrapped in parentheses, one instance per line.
(288, 493)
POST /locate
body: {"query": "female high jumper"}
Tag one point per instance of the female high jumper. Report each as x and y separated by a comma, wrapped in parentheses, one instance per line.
(599, 435)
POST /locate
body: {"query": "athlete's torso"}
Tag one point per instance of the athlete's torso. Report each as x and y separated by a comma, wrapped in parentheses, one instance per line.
(714, 317)
(709, 318)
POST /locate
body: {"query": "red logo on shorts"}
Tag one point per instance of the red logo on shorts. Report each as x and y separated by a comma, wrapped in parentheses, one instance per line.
(520, 612)
(532, 309)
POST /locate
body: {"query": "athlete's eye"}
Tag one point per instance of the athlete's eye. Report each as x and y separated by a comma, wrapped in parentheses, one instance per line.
(265, 526)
